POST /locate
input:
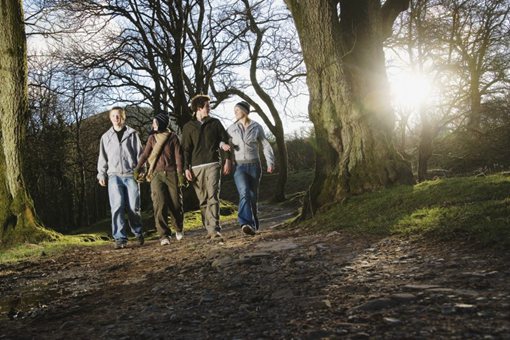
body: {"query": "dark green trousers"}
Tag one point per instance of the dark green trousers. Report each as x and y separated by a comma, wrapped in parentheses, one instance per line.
(166, 197)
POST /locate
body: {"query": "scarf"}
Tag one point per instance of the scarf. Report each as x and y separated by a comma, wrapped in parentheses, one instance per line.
(161, 139)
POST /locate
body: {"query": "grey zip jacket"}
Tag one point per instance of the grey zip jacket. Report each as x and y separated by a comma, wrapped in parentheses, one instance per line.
(118, 158)
(245, 143)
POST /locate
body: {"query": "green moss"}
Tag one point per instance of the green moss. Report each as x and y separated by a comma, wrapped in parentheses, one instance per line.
(40, 245)
(476, 208)
(20, 225)
(193, 219)
(31, 251)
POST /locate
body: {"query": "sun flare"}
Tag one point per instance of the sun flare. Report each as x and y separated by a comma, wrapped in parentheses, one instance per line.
(410, 89)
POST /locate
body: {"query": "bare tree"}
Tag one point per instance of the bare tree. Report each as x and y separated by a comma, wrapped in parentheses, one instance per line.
(480, 39)
(271, 50)
(154, 52)
(431, 43)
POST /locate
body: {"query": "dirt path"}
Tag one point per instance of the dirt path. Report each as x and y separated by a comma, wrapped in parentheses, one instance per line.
(282, 283)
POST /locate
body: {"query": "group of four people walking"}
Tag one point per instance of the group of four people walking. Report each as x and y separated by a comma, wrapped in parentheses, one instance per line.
(196, 159)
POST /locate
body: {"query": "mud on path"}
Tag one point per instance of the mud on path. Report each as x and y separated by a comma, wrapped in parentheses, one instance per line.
(282, 283)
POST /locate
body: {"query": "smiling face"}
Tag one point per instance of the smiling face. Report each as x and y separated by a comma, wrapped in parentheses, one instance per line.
(117, 118)
(239, 113)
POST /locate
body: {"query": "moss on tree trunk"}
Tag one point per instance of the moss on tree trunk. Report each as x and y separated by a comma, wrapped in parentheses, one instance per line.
(349, 98)
(18, 221)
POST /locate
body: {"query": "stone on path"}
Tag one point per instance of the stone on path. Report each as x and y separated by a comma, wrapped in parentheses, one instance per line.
(274, 246)
(223, 262)
(284, 293)
(420, 287)
(403, 297)
(376, 304)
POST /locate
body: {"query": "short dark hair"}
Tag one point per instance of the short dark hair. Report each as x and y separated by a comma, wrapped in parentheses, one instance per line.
(199, 101)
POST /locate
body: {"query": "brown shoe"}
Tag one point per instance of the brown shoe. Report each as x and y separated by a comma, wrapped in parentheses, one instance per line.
(248, 229)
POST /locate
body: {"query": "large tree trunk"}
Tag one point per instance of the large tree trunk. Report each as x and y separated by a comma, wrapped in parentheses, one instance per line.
(18, 220)
(349, 98)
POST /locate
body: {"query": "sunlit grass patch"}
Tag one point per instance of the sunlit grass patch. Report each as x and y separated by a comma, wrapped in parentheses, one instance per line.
(487, 222)
(28, 251)
(193, 219)
(475, 208)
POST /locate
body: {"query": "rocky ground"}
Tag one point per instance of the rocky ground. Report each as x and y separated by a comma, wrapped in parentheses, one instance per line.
(283, 283)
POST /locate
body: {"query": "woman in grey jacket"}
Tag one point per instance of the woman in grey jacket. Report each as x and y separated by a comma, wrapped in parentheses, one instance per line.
(245, 135)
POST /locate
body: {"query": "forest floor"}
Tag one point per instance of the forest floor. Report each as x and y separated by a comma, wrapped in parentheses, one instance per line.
(285, 282)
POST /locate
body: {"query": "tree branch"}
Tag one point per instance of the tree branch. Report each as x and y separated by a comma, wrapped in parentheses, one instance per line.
(389, 12)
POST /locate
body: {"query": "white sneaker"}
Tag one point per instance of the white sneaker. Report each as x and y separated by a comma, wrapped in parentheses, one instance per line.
(179, 235)
(165, 241)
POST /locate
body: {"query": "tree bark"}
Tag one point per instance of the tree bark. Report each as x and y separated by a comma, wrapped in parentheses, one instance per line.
(425, 146)
(276, 128)
(18, 220)
(283, 171)
(475, 114)
(349, 99)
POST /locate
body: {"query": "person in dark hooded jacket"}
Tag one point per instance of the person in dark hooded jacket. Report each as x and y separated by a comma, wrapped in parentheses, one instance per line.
(165, 173)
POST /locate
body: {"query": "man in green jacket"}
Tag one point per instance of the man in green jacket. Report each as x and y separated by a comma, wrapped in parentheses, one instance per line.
(202, 140)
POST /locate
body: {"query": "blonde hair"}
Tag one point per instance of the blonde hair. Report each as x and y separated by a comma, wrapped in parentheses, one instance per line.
(120, 109)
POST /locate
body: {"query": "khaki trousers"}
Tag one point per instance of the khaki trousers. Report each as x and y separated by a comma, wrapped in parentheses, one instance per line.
(207, 187)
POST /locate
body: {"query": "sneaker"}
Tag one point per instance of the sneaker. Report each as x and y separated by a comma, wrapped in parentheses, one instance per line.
(215, 236)
(248, 229)
(141, 240)
(165, 241)
(120, 244)
(179, 235)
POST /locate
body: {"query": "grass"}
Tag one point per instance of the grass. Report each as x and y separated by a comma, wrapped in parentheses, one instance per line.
(34, 251)
(99, 234)
(473, 208)
(467, 208)
(297, 181)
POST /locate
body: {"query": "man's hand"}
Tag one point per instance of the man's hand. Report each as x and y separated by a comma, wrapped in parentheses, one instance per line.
(225, 147)
(102, 182)
(189, 175)
(227, 168)
(270, 169)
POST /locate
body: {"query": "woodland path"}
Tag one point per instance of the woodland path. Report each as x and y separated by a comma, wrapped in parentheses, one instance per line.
(284, 283)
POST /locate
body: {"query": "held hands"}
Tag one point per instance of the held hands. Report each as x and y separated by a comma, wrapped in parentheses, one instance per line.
(139, 177)
(226, 147)
(189, 175)
(181, 180)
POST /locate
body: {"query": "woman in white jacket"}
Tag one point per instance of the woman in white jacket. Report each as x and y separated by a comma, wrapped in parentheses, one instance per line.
(245, 135)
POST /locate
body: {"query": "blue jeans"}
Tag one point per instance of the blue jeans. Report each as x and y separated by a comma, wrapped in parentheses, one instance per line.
(247, 179)
(124, 194)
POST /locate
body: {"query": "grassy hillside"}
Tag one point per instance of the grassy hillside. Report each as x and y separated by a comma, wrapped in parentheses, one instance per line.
(474, 208)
